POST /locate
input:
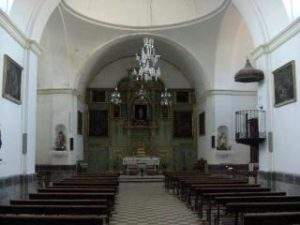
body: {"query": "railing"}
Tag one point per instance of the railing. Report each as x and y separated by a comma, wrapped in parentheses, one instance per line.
(250, 126)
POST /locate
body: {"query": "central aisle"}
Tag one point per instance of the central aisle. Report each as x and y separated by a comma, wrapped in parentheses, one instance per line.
(149, 204)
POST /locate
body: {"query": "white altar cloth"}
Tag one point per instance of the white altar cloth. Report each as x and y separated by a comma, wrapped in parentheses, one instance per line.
(153, 161)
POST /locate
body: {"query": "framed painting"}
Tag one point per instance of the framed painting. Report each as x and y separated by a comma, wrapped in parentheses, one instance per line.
(98, 96)
(12, 80)
(182, 97)
(79, 122)
(284, 84)
(183, 124)
(201, 124)
(98, 125)
(116, 111)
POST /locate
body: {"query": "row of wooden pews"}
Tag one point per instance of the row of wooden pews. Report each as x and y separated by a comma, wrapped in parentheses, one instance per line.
(217, 198)
(79, 200)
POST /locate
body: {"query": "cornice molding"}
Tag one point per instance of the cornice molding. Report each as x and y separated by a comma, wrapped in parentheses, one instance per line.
(57, 91)
(216, 92)
(61, 91)
(285, 35)
(210, 15)
(18, 35)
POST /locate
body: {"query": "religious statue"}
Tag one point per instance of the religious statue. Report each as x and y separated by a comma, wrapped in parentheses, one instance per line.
(60, 143)
(223, 138)
(222, 141)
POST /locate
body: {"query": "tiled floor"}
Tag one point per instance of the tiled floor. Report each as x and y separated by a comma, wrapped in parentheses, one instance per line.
(149, 204)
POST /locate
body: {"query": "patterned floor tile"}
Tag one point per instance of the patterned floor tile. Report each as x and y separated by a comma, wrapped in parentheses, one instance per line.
(149, 204)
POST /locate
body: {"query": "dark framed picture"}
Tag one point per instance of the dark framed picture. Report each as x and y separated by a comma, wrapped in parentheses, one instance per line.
(79, 123)
(12, 80)
(116, 111)
(141, 112)
(182, 97)
(183, 124)
(285, 84)
(98, 125)
(201, 124)
(98, 96)
(124, 111)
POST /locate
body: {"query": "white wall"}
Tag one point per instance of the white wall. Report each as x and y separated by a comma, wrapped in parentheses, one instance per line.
(10, 114)
(79, 140)
(204, 142)
(6, 5)
(220, 108)
(227, 96)
(225, 108)
(58, 107)
(282, 121)
(18, 119)
(54, 65)
(234, 45)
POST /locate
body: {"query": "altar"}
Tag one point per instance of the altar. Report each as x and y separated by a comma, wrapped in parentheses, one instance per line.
(141, 165)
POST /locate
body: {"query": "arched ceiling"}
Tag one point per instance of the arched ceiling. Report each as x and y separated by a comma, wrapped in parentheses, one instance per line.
(128, 46)
(263, 18)
(144, 14)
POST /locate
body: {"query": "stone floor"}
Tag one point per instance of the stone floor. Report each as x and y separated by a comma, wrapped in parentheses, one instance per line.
(149, 204)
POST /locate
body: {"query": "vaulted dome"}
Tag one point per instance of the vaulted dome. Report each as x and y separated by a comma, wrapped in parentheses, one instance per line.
(144, 13)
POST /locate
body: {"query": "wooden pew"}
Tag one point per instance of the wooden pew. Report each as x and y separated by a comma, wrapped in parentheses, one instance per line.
(201, 191)
(55, 209)
(76, 190)
(78, 184)
(34, 219)
(282, 218)
(59, 202)
(194, 188)
(182, 183)
(108, 196)
(221, 201)
(78, 200)
(260, 207)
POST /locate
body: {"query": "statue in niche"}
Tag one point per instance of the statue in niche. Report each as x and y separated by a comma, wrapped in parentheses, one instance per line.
(223, 143)
(60, 142)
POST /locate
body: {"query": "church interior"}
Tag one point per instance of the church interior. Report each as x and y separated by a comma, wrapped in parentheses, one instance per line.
(141, 112)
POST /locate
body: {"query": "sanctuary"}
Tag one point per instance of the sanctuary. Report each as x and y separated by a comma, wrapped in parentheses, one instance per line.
(149, 112)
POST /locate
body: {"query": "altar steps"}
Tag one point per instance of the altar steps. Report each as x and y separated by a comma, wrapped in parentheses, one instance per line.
(141, 179)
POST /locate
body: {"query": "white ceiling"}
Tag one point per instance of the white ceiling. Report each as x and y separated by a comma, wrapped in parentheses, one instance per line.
(144, 13)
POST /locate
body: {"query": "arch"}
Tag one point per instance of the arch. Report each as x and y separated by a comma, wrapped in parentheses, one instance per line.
(263, 18)
(128, 45)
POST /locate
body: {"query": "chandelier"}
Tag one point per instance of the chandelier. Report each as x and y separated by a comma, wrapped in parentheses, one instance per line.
(165, 98)
(148, 62)
(148, 70)
(115, 97)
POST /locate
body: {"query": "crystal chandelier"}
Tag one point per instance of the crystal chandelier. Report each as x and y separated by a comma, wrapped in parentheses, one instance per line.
(165, 98)
(115, 97)
(148, 70)
(148, 62)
